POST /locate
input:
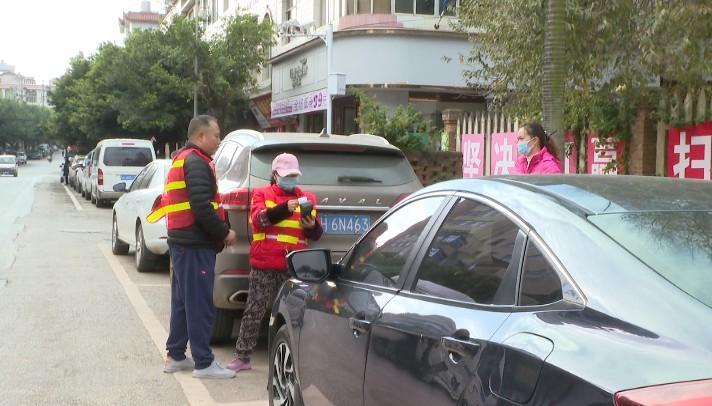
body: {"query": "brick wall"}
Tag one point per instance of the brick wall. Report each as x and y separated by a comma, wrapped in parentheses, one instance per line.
(642, 147)
(433, 167)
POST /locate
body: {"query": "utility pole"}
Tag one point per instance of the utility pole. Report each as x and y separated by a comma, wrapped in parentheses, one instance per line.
(329, 40)
(195, 61)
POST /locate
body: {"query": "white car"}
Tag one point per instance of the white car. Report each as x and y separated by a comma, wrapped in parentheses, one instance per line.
(116, 161)
(130, 227)
(8, 165)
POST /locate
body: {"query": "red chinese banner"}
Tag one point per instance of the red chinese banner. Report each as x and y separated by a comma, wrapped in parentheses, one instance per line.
(689, 152)
(504, 153)
(473, 155)
(601, 152)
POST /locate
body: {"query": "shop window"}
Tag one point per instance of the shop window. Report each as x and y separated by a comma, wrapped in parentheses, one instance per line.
(425, 7)
(404, 6)
(368, 7)
(447, 7)
(226, 5)
(289, 10)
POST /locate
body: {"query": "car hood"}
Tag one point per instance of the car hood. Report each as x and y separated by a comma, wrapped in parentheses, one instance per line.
(7, 165)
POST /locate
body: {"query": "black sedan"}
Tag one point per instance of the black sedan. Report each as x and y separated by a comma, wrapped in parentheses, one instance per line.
(558, 290)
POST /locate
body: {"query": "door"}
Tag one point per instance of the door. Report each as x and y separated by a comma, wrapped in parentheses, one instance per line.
(336, 323)
(431, 338)
(127, 212)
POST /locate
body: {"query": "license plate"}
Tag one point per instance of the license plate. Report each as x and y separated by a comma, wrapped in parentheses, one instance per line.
(345, 223)
(128, 177)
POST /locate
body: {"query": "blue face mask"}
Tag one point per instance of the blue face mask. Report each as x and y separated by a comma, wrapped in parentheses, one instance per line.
(523, 147)
(288, 184)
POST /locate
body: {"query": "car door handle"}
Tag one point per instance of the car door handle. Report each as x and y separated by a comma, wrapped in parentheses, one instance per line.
(359, 326)
(457, 348)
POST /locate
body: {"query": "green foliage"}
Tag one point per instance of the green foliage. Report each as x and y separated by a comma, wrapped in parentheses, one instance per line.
(404, 128)
(145, 88)
(22, 123)
(616, 53)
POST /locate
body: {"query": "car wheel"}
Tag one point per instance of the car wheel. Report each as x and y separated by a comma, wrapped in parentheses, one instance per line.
(282, 383)
(87, 195)
(145, 259)
(118, 247)
(222, 325)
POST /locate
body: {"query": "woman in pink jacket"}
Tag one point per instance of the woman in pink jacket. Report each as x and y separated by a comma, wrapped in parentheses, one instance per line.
(537, 151)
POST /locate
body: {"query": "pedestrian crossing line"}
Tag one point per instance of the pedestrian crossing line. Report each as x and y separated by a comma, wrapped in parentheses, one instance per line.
(194, 390)
(74, 199)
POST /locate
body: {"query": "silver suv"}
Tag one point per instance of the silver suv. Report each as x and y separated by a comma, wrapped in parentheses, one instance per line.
(355, 178)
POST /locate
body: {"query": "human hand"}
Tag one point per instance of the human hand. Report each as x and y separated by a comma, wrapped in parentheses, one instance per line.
(230, 238)
(307, 222)
(292, 205)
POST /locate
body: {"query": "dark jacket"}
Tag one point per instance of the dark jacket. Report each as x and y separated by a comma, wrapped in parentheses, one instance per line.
(209, 229)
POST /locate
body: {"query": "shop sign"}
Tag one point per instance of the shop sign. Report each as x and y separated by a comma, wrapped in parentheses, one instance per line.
(473, 155)
(690, 151)
(304, 103)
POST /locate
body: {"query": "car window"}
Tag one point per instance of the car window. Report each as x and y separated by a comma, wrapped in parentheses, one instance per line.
(158, 177)
(540, 283)
(137, 183)
(379, 257)
(470, 257)
(127, 156)
(239, 165)
(7, 159)
(324, 167)
(223, 158)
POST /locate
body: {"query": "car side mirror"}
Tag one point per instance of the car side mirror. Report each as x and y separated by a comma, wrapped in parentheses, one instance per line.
(120, 187)
(312, 265)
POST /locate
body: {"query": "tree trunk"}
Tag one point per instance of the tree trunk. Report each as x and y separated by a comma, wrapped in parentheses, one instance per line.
(554, 72)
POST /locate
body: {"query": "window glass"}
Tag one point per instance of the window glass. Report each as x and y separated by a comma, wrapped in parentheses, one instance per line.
(470, 258)
(381, 6)
(425, 7)
(239, 165)
(404, 6)
(379, 257)
(447, 7)
(136, 185)
(540, 282)
(127, 156)
(222, 160)
(364, 6)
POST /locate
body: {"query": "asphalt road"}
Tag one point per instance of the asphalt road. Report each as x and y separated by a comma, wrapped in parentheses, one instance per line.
(80, 326)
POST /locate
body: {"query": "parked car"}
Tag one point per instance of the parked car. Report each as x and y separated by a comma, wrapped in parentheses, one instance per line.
(77, 162)
(355, 179)
(34, 155)
(84, 185)
(566, 290)
(21, 158)
(116, 161)
(8, 165)
(129, 225)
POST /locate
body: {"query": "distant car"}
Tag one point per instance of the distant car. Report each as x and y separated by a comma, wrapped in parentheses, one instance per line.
(129, 225)
(116, 161)
(21, 158)
(77, 162)
(85, 177)
(34, 155)
(355, 179)
(541, 290)
(8, 165)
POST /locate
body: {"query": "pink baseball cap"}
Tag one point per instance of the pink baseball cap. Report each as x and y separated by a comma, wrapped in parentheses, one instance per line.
(286, 165)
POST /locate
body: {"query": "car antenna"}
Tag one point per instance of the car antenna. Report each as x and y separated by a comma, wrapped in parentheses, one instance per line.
(324, 133)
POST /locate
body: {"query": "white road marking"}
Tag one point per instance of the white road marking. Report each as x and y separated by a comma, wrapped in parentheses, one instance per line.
(74, 199)
(194, 390)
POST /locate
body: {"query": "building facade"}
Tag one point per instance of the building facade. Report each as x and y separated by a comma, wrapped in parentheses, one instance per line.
(139, 20)
(22, 88)
(397, 51)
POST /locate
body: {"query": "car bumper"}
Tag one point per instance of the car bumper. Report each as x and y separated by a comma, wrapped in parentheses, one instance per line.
(232, 277)
(157, 246)
(7, 171)
(108, 195)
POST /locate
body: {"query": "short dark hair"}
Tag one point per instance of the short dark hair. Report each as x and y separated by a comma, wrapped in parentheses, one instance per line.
(200, 122)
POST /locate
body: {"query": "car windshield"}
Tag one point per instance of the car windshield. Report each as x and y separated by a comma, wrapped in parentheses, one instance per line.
(340, 168)
(676, 245)
(7, 159)
(127, 156)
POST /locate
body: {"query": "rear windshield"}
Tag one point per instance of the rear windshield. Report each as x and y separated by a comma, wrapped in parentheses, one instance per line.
(127, 156)
(677, 245)
(340, 168)
(7, 159)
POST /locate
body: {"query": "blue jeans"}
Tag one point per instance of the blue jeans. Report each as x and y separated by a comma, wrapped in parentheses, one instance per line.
(192, 308)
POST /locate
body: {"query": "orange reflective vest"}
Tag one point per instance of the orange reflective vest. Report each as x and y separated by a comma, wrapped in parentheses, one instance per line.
(271, 244)
(174, 201)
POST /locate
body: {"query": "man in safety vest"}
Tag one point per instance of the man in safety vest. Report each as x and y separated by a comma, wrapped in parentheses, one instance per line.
(196, 230)
(283, 219)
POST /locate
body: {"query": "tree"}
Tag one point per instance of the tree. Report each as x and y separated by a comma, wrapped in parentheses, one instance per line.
(21, 124)
(617, 53)
(554, 70)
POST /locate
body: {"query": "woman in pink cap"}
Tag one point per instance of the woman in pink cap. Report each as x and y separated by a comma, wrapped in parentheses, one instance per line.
(283, 219)
(537, 151)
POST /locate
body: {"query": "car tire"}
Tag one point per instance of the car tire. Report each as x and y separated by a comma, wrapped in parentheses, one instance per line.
(145, 259)
(223, 324)
(86, 195)
(118, 247)
(282, 382)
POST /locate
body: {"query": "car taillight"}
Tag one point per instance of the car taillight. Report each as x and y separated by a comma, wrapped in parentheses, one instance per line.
(236, 199)
(693, 393)
(100, 177)
(399, 198)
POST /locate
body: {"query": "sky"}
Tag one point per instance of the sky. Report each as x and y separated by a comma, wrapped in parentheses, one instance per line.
(39, 37)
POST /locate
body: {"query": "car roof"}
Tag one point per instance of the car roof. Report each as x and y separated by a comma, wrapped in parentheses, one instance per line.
(110, 141)
(591, 194)
(258, 140)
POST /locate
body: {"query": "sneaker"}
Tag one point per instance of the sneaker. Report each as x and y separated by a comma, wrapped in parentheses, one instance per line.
(172, 365)
(214, 371)
(238, 365)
